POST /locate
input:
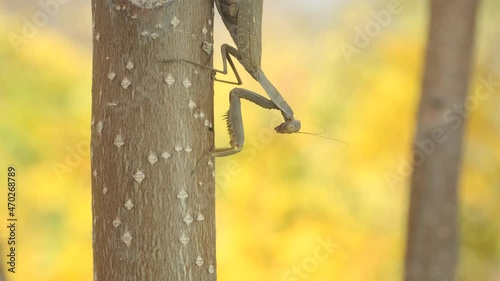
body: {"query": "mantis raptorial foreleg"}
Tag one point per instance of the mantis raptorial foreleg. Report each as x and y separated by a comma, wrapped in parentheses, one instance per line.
(234, 119)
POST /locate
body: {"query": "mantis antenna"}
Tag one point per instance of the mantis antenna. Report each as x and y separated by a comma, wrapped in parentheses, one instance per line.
(325, 137)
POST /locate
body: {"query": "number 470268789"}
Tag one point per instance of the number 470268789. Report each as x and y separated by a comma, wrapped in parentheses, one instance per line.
(11, 187)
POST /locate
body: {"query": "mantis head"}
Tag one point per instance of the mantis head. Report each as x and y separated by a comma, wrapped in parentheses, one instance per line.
(288, 127)
(293, 126)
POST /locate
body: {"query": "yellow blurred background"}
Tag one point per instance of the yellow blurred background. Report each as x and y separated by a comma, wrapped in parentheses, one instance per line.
(289, 207)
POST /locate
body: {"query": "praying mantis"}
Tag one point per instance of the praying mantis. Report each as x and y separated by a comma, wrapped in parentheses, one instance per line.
(243, 20)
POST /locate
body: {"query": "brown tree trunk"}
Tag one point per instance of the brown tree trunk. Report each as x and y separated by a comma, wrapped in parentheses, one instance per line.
(153, 217)
(432, 241)
(2, 272)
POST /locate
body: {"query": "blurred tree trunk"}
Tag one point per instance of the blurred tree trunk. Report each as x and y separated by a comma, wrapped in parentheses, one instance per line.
(153, 219)
(2, 272)
(432, 241)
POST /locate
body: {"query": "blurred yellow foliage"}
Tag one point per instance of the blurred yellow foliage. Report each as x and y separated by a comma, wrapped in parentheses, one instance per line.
(292, 207)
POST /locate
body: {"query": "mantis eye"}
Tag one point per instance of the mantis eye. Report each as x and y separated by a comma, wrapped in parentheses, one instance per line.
(288, 127)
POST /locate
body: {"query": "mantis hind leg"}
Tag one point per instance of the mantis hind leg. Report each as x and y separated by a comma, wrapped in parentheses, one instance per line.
(226, 51)
(234, 119)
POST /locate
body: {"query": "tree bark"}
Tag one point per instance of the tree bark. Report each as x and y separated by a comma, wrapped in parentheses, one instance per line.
(432, 241)
(153, 213)
(2, 272)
